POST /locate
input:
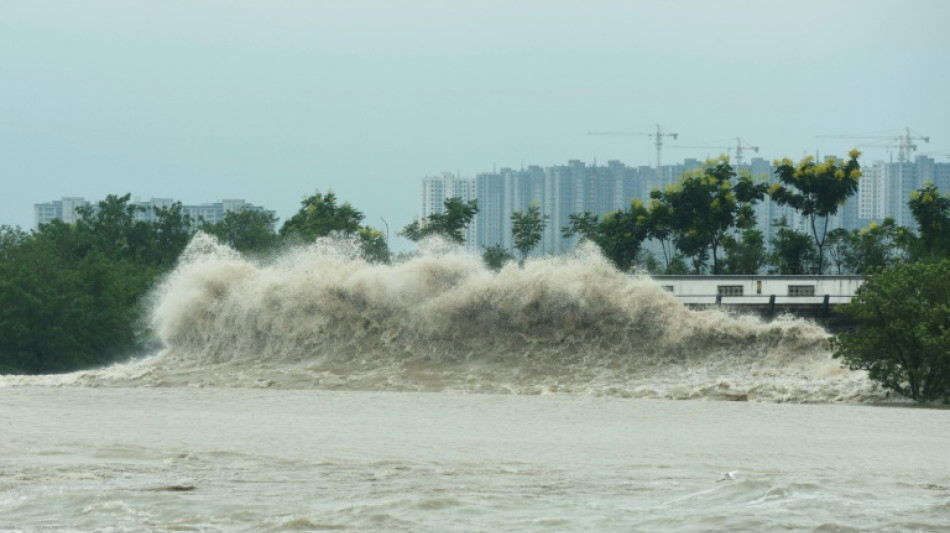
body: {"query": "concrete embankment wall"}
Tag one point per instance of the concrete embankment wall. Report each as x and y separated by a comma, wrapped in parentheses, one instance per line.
(812, 297)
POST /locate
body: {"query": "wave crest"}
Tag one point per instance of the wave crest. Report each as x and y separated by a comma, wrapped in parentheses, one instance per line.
(319, 316)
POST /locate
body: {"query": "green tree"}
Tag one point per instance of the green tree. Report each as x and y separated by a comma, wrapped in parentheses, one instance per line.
(450, 223)
(709, 203)
(931, 211)
(619, 234)
(373, 245)
(816, 190)
(168, 234)
(659, 225)
(793, 252)
(114, 227)
(875, 247)
(586, 225)
(527, 228)
(838, 245)
(320, 216)
(903, 334)
(62, 311)
(247, 230)
(496, 256)
(746, 254)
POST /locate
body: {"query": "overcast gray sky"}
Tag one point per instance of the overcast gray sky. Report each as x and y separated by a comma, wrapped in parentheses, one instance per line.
(269, 101)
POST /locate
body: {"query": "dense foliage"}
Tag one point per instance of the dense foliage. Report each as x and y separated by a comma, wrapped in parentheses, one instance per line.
(903, 338)
(247, 231)
(931, 210)
(793, 252)
(69, 294)
(496, 256)
(450, 224)
(619, 235)
(902, 311)
(320, 216)
(715, 202)
(72, 295)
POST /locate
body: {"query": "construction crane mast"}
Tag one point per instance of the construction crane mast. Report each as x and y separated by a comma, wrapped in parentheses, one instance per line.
(905, 142)
(740, 148)
(657, 138)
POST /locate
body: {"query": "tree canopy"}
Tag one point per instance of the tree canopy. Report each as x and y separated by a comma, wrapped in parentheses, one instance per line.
(320, 216)
(931, 210)
(816, 190)
(619, 234)
(793, 252)
(247, 231)
(709, 203)
(903, 337)
(449, 224)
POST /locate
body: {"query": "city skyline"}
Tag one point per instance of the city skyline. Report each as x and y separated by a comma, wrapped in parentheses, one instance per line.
(883, 192)
(273, 101)
(574, 188)
(67, 209)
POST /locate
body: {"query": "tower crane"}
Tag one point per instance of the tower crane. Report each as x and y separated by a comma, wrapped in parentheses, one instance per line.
(889, 147)
(740, 147)
(657, 138)
(905, 141)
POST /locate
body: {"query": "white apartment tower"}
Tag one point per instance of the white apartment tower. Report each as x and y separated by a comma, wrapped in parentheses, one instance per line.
(65, 209)
(437, 189)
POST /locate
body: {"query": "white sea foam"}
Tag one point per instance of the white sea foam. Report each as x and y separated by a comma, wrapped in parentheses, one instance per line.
(320, 317)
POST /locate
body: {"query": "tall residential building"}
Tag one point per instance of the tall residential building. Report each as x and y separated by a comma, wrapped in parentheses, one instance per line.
(871, 194)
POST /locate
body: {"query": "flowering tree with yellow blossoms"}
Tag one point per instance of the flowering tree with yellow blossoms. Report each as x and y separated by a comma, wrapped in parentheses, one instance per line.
(816, 190)
(709, 204)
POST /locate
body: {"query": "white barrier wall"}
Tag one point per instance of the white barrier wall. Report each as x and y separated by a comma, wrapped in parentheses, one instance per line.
(761, 289)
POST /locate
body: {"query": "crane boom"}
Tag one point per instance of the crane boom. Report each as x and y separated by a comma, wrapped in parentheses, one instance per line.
(905, 141)
(739, 148)
(657, 138)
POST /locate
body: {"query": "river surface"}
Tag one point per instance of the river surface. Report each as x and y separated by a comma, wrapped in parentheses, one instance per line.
(231, 459)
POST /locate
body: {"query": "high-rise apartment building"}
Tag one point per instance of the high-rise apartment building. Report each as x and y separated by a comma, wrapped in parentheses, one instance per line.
(885, 188)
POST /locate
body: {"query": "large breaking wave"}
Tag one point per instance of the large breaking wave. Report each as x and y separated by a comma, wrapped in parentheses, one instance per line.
(320, 317)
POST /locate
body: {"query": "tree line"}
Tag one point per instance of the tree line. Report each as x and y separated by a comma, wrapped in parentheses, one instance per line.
(706, 224)
(71, 295)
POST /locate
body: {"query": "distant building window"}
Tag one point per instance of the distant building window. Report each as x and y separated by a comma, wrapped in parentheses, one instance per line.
(668, 288)
(801, 290)
(729, 290)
